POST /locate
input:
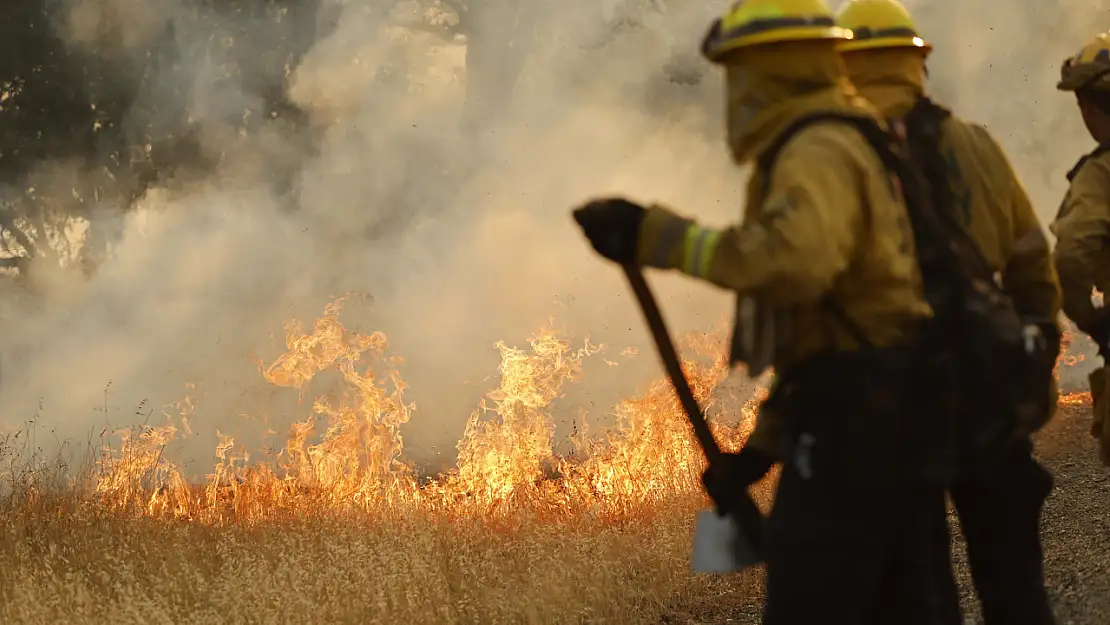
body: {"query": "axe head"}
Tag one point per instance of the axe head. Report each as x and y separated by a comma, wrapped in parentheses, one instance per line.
(720, 546)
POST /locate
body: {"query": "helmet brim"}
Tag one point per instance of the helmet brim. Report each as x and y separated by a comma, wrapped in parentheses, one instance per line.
(716, 51)
(855, 45)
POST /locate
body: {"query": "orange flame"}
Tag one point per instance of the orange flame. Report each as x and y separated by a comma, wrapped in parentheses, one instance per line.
(507, 469)
(1069, 357)
(506, 459)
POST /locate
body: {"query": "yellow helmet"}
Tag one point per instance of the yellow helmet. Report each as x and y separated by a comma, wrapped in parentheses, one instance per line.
(1089, 68)
(755, 22)
(879, 24)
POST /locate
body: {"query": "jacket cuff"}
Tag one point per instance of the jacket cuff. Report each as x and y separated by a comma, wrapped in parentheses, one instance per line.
(662, 236)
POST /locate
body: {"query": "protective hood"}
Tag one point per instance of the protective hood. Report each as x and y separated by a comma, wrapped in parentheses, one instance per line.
(892, 79)
(768, 87)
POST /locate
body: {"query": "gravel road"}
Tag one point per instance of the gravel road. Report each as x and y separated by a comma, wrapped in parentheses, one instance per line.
(1076, 521)
(1076, 537)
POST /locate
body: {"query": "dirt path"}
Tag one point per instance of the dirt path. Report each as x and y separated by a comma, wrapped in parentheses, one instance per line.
(1076, 536)
(1076, 521)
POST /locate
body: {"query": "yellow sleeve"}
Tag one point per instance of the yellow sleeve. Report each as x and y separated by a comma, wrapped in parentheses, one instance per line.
(1082, 230)
(792, 251)
(1029, 276)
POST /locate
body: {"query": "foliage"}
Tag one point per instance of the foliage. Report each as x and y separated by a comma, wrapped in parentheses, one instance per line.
(96, 96)
(89, 120)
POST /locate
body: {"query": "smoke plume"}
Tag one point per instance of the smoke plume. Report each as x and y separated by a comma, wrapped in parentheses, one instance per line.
(457, 232)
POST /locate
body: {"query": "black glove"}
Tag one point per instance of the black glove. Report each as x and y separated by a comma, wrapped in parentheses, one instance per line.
(613, 227)
(733, 473)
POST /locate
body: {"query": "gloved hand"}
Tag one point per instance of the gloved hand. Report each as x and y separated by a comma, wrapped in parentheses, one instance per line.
(734, 472)
(613, 227)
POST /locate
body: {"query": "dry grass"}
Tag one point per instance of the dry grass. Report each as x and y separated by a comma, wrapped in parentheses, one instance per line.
(61, 562)
(338, 530)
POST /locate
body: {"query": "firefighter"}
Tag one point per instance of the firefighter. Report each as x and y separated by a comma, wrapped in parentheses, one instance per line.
(999, 509)
(1082, 226)
(830, 296)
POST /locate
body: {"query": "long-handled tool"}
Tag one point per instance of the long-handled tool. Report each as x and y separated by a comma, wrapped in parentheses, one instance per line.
(724, 547)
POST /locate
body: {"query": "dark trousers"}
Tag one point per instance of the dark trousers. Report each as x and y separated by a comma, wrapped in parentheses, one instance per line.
(1000, 518)
(839, 555)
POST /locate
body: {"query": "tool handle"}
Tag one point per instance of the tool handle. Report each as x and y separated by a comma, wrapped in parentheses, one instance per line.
(744, 510)
(671, 362)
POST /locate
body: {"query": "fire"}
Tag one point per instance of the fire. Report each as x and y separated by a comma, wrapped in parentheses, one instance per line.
(1070, 357)
(1076, 399)
(1067, 358)
(347, 454)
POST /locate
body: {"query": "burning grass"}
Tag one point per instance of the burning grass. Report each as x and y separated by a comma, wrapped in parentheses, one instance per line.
(337, 528)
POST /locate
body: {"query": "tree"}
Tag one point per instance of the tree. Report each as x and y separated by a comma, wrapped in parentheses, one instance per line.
(88, 124)
(92, 116)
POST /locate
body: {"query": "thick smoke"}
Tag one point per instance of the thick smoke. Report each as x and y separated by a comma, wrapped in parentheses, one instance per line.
(460, 237)
(1000, 68)
(458, 234)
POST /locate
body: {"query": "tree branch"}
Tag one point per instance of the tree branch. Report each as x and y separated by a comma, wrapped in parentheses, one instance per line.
(47, 250)
(7, 222)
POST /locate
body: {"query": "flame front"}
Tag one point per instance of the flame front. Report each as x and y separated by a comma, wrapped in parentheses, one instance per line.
(507, 468)
(1069, 357)
(507, 465)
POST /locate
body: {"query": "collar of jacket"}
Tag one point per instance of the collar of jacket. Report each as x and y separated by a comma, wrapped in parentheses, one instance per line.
(892, 100)
(840, 96)
(892, 80)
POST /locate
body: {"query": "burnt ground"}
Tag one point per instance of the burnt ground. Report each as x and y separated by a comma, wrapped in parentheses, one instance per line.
(1076, 535)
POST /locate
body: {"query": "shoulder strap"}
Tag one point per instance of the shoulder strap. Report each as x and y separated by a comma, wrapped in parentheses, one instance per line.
(924, 133)
(922, 126)
(766, 162)
(1074, 171)
(927, 115)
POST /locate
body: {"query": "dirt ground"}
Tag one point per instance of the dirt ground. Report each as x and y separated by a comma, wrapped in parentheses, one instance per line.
(1076, 522)
(1076, 532)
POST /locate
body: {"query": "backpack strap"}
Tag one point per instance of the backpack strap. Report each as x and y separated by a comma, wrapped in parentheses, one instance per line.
(923, 127)
(766, 162)
(1074, 171)
(946, 253)
(767, 158)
